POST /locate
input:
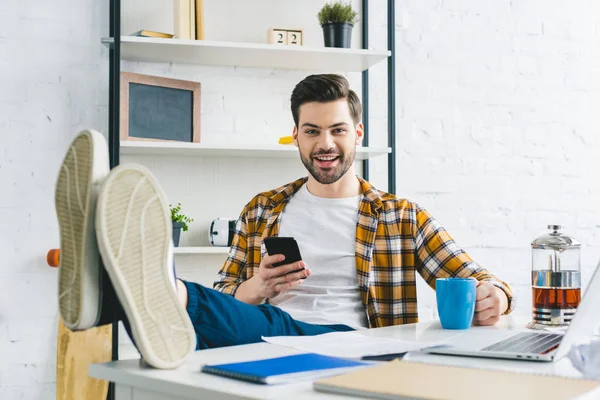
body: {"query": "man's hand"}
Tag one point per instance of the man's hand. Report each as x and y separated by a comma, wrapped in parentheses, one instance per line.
(271, 281)
(274, 280)
(490, 304)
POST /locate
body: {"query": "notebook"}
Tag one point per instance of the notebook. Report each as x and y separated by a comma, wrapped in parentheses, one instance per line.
(415, 380)
(285, 369)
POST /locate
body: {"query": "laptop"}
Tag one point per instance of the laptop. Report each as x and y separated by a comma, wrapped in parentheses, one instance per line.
(531, 345)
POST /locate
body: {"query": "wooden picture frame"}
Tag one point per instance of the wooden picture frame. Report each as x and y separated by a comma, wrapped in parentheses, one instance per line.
(172, 103)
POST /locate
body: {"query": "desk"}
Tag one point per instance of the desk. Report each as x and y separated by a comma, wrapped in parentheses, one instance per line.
(135, 381)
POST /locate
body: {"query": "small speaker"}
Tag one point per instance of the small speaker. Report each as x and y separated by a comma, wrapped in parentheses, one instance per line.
(221, 232)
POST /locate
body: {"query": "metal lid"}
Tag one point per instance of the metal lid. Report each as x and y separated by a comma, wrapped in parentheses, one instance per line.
(555, 240)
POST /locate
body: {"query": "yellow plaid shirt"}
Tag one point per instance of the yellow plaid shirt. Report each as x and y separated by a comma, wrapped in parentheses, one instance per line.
(395, 239)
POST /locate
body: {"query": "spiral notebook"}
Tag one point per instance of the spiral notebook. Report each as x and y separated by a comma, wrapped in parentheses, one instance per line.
(415, 380)
(285, 369)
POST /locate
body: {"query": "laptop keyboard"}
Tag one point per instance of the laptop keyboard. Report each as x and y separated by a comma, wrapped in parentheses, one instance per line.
(527, 342)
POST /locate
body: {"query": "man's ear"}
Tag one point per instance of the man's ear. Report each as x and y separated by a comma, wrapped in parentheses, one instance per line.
(360, 133)
(295, 136)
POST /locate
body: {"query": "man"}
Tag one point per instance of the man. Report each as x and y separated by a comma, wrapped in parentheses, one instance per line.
(361, 247)
(122, 218)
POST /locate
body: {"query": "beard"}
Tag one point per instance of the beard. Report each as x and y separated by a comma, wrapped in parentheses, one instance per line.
(326, 176)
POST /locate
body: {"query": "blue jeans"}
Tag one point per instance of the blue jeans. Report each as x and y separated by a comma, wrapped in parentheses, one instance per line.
(221, 320)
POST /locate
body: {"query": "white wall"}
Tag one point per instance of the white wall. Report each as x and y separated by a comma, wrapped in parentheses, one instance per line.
(497, 126)
(495, 136)
(53, 80)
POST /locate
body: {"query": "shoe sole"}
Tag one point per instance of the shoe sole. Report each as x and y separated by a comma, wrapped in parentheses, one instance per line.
(81, 174)
(134, 229)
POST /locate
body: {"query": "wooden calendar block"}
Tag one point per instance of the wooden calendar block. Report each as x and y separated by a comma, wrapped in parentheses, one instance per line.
(277, 36)
(294, 38)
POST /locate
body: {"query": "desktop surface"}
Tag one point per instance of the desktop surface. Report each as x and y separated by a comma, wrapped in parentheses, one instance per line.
(187, 382)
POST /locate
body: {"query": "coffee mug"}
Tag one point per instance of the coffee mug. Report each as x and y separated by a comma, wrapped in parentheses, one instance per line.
(455, 301)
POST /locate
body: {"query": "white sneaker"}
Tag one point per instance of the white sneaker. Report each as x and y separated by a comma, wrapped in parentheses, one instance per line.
(134, 229)
(81, 174)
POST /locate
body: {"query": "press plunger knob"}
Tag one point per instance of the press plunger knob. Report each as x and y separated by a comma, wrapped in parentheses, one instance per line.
(555, 228)
(53, 257)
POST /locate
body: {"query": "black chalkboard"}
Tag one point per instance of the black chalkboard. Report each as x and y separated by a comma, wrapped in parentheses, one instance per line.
(160, 112)
(157, 108)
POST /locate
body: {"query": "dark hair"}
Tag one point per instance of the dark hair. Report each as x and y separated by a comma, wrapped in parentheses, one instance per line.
(325, 88)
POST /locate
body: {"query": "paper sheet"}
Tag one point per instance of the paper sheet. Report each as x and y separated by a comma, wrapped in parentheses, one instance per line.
(348, 344)
(586, 359)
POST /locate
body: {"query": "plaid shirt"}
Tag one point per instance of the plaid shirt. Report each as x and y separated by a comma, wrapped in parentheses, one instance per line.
(395, 239)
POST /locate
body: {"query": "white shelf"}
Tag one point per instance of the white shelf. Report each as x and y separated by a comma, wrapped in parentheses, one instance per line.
(201, 250)
(143, 148)
(247, 54)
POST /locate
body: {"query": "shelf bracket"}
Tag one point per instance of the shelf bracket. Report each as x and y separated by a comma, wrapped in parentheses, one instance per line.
(391, 30)
(365, 84)
(114, 73)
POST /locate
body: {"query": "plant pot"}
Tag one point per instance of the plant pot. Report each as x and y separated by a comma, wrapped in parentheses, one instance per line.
(337, 34)
(176, 233)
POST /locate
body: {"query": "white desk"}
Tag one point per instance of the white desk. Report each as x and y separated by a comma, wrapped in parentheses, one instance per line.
(134, 381)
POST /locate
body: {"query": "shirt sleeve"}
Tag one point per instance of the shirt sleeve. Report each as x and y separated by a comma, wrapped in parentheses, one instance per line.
(438, 256)
(234, 271)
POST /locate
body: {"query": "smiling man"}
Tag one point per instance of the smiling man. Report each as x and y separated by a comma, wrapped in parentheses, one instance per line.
(362, 248)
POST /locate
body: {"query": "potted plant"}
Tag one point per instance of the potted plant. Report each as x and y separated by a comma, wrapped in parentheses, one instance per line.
(180, 222)
(337, 20)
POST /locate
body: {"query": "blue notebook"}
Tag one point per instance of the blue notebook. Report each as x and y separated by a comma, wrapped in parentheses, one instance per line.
(286, 369)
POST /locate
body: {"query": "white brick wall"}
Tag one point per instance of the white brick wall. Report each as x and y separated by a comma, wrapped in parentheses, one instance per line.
(53, 82)
(495, 135)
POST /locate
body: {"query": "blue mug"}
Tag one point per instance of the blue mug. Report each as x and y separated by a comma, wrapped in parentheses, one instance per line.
(456, 301)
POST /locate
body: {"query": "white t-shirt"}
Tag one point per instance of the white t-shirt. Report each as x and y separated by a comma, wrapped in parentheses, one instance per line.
(325, 230)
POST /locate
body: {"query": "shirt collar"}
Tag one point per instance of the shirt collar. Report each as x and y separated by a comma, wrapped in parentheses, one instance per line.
(285, 192)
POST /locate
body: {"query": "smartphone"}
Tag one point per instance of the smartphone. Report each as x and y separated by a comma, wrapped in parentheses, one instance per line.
(283, 245)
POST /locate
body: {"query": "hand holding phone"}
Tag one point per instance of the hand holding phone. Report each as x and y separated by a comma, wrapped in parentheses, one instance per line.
(281, 269)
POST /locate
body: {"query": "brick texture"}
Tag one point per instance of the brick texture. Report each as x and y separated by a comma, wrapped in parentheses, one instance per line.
(496, 135)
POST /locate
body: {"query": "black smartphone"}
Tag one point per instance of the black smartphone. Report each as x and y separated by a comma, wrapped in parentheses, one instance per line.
(283, 245)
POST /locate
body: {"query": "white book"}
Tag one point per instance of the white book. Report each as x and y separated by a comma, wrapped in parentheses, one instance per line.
(183, 17)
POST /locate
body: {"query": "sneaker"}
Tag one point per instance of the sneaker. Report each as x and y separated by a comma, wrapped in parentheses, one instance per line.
(134, 229)
(81, 174)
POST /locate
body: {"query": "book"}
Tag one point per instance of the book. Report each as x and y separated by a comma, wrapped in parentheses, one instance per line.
(183, 12)
(192, 16)
(285, 369)
(417, 380)
(147, 33)
(199, 19)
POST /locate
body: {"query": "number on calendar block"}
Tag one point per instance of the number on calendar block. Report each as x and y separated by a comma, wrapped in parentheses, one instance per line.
(294, 38)
(277, 36)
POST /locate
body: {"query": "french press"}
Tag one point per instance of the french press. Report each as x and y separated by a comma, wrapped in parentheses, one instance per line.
(556, 277)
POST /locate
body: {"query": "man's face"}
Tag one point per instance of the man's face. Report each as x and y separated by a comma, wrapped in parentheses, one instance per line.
(327, 139)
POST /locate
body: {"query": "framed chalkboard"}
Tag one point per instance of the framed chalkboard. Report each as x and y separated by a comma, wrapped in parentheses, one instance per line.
(157, 108)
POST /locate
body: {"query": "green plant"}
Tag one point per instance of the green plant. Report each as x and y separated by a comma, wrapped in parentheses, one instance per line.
(337, 12)
(177, 216)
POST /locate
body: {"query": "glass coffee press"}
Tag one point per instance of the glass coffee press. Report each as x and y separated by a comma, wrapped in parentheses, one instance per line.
(555, 278)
